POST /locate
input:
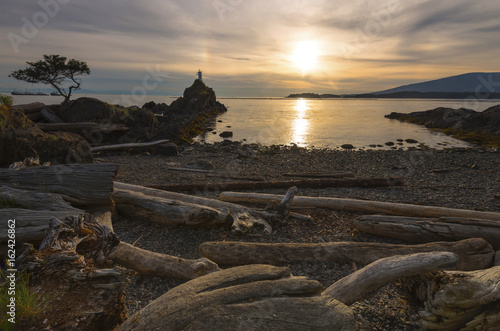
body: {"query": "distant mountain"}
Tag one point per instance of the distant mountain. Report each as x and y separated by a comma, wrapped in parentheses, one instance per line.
(480, 83)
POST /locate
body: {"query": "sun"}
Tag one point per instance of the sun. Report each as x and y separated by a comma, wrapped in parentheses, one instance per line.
(305, 56)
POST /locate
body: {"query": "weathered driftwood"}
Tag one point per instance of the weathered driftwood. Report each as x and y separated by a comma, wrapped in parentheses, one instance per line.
(362, 206)
(244, 218)
(473, 254)
(256, 297)
(127, 146)
(30, 225)
(80, 184)
(156, 264)
(13, 197)
(414, 229)
(80, 126)
(29, 108)
(167, 211)
(50, 116)
(367, 281)
(310, 183)
(71, 268)
(331, 174)
(454, 300)
(283, 209)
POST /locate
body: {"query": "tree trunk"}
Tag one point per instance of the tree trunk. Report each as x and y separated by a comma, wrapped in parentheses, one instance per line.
(415, 229)
(71, 270)
(454, 300)
(80, 184)
(366, 282)
(167, 211)
(127, 146)
(311, 183)
(80, 126)
(256, 297)
(473, 254)
(244, 219)
(362, 206)
(156, 264)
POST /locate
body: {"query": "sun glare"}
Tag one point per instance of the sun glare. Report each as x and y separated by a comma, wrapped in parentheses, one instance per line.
(305, 56)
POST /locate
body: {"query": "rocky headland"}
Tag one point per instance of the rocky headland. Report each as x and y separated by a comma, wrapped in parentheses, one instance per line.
(481, 128)
(66, 133)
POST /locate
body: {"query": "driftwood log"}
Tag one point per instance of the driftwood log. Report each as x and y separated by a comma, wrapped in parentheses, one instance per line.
(362, 206)
(156, 264)
(331, 174)
(13, 197)
(71, 271)
(167, 211)
(256, 297)
(50, 116)
(80, 184)
(244, 219)
(473, 254)
(414, 229)
(127, 146)
(81, 126)
(311, 183)
(367, 281)
(454, 300)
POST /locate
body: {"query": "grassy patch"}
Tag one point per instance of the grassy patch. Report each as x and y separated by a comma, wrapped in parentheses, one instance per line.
(28, 304)
(6, 100)
(479, 138)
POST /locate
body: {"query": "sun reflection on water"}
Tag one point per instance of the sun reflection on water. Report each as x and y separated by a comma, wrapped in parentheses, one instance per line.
(300, 125)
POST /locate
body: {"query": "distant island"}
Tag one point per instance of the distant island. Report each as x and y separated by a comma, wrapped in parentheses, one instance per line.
(479, 85)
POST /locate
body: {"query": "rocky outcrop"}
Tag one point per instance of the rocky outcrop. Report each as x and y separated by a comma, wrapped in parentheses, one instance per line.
(482, 128)
(21, 138)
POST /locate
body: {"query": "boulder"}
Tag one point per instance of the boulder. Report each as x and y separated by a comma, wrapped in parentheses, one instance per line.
(20, 138)
(88, 110)
(197, 98)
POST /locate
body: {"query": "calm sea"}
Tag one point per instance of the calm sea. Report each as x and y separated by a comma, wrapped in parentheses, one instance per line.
(314, 122)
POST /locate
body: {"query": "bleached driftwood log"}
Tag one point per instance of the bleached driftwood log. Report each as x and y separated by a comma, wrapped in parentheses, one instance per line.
(455, 300)
(13, 197)
(81, 126)
(256, 297)
(127, 146)
(156, 264)
(367, 281)
(473, 254)
(362, 206)
(420, 230)
(311, 183)
(30, 225)
(167, 211)
(244, 218)
(80, 184)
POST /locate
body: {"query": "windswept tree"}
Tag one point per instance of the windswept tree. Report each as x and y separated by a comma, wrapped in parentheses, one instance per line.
(54, 70)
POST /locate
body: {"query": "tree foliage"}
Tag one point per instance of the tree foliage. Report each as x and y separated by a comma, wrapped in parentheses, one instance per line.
(54, 70)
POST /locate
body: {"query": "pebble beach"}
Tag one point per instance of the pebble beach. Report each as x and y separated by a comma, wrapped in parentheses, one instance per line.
(455, 178)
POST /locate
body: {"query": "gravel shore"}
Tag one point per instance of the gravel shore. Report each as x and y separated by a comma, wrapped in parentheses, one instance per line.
(456, 178)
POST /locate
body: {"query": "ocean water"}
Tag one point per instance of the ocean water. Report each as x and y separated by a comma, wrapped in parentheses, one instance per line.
(325, 123)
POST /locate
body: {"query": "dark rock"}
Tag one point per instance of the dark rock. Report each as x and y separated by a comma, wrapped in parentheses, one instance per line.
(411, 141)
(389, 143)
(21, 138)
(197, 98)
(87, 110)
(347, 146)
(226, 134)
(167, 149)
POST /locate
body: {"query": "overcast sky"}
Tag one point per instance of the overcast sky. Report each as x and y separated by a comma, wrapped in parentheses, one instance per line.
(253, 48)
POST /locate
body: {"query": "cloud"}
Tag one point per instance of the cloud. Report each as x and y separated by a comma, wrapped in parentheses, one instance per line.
(249, 43)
